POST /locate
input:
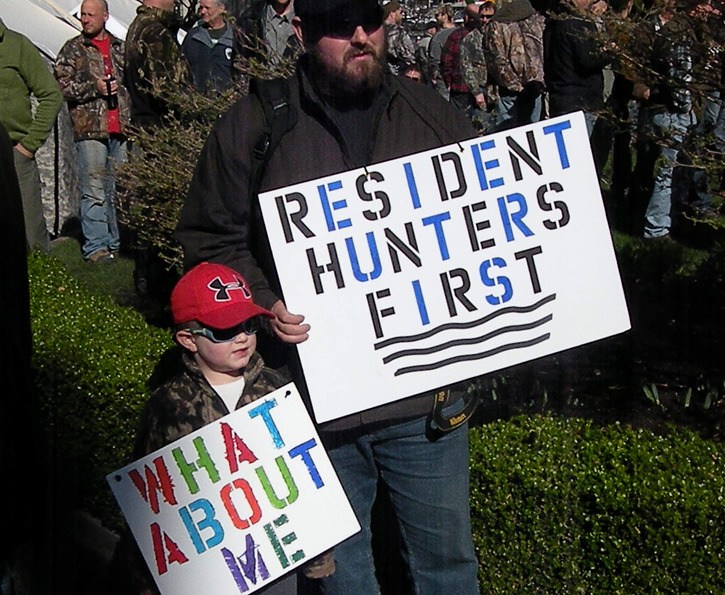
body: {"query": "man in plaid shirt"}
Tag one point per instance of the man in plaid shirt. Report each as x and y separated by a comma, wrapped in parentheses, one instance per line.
(451, 70)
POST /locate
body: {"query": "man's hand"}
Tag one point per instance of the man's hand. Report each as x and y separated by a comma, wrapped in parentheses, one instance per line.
(24, 152)
(288, 327)
(641, 92)
(101, 85)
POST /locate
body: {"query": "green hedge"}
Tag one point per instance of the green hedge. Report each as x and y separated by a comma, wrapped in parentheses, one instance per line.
(564, 506)
(559, 506)
(91, 362)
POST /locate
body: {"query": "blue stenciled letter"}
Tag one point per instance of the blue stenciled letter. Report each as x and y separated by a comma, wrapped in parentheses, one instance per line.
(207, 522)
(556, 130)
(263, 411)
(482, 166)
(516, 217)
(437, 222)
(303, 451)
(504, 282)
(328, 207)
(374, 256)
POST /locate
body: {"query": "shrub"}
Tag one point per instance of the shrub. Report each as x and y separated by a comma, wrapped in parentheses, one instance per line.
(563, 506)
(91, 362)
(558, 506)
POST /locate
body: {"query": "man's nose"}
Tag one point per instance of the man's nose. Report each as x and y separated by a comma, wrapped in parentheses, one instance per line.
(359, 36)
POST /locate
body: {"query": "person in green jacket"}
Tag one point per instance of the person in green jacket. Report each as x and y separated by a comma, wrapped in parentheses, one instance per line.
(23, 73)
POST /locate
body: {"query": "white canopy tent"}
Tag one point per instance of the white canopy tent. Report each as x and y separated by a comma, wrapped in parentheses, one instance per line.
(46, 30)
(121, 12)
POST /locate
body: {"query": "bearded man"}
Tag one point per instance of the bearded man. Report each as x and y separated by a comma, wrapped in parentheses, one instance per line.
(350, 113)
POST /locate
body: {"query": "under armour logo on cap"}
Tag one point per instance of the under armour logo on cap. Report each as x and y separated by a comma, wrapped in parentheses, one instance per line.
(222, 289)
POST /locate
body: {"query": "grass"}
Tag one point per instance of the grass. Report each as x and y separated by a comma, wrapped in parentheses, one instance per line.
(114, 279)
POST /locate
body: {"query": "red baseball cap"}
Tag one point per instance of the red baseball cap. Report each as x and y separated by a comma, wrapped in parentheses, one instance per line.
(214, 295)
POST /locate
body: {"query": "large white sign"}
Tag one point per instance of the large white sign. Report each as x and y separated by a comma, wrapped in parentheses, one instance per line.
(236, 504)
(445, 265)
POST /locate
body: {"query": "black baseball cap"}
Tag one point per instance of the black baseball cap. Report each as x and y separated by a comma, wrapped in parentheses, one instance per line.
(311, 8)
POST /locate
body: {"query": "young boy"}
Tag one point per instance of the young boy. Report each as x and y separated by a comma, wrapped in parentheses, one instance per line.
(216, 321)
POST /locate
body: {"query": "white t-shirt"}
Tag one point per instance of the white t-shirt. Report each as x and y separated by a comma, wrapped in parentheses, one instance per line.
(230, 392)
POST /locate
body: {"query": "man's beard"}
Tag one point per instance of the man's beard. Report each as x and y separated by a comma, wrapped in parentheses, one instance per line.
(350, 78)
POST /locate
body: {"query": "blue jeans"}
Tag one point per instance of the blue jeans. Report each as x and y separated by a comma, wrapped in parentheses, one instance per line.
(669, 131)
(719, 131)
(97, 161)
(713, 119)
(512, 111)
(428, 484)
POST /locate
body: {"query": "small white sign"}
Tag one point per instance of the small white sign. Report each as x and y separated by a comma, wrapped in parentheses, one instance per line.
(235, 505)
(445, 265)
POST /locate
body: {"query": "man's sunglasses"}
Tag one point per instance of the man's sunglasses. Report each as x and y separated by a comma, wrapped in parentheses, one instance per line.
(248, 327)
(344, 26)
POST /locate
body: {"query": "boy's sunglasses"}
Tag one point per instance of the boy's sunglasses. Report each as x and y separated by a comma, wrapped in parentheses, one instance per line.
(248, 327)
(344, 27)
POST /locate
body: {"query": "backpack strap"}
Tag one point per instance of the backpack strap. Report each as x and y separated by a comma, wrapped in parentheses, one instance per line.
(279, 118)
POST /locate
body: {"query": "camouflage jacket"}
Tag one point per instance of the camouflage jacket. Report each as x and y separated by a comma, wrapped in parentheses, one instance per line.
(78, 66)
(474, 67)
(155, 66)
(514, 42)
(188, 402)
(401, 50)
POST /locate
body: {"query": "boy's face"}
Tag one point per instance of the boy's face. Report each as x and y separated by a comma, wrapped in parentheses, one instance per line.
(220, 362)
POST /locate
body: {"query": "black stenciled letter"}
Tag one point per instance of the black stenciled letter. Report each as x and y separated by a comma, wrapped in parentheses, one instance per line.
(375, 314)
(528, 256)
(472, 227)
(295, 218)
(379, 195)
(556, 204)
(437, 167)
(317, 270)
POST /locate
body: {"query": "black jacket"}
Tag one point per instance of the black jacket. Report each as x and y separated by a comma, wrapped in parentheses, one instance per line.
(573, 63)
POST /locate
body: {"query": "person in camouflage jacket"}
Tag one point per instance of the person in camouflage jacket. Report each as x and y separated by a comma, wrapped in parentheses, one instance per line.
(89, 70)
(154, 62)
(188, 402)
(401, 49)
(78, 66)
(515, 47)
(474, 69)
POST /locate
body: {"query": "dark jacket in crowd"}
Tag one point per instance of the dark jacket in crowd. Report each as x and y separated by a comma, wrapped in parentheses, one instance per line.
(217, 218)
(573, 64)
(211, 63)
(154, 64)
(672, 64)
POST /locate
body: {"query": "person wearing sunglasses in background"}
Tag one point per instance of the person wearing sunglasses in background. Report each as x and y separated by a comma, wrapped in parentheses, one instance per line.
(350, 113)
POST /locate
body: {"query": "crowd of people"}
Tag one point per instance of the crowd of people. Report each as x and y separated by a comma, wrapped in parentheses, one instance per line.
(469, 70)
(516, 62)
(502, 63)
